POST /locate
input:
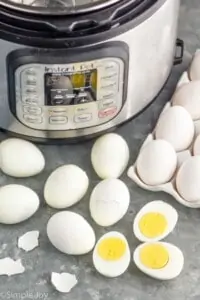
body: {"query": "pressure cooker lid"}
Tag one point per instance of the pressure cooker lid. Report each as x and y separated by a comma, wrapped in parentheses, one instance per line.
(54, 7)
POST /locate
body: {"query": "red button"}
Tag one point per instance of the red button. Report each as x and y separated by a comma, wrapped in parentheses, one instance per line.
(107, 112)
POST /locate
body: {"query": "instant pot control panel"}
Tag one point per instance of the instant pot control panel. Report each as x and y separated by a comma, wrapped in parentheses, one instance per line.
(67, 95)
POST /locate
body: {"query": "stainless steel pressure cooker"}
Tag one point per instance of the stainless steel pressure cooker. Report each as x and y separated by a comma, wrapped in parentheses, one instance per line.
(72, 69)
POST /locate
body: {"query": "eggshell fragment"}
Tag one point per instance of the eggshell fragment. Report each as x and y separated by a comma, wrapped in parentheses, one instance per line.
(29, 240)
(17, 203)
(109, 201)
(110, 156)
(9, 267)
(63, 282)
(20, 158)
(188, 179)
(70, 233)
(156, 162)
(187, 96)
(65, 186)
(176, 126)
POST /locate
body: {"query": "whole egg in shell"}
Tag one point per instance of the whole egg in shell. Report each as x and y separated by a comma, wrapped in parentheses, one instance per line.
(111, 255)
(159, 260)
(155, 221)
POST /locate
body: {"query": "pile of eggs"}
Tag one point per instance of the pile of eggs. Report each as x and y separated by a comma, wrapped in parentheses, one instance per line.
(176, 133)
(71, 233)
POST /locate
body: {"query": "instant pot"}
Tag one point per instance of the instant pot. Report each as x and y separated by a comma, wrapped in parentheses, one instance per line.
(72, 69)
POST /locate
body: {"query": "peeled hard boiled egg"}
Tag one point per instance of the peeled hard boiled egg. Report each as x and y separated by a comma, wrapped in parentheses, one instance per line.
(159, 260)
(17, 203)
(65, 186)
(19, 158)
(188, 179)
(70, 233)
(110, 156)
(156, 162)
(187, 96)
(109, 201)
(195, 67)
(154, 221)
(176, 126)
(111, 255)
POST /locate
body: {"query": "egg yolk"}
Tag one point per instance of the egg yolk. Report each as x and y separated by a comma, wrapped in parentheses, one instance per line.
(111, 249)
(154, 256)
(152, 224)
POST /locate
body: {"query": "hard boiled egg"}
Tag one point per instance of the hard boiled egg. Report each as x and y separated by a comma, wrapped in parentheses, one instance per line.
(159, 260)
(188, 179)
(17, 203)
(187, 96)
(70, 233)
(65, 186)
(194, 71)
(110, 156)
(19, 158)
(111, 255)
(109, 201)
(156, 162)
(196, 147)
(154, 221)
(176, 126)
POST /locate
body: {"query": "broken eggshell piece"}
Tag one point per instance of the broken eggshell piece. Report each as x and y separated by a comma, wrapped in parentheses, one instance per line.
(9, 267)
(63, 282)
(29, 240)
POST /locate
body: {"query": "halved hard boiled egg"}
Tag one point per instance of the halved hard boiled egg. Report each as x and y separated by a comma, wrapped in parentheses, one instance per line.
(111, 255)
(154, 221)
(159, 260)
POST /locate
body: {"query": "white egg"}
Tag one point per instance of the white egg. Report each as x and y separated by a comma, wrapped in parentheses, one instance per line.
(65, 186)
(156, 162)
(194, 70)
(110, 156)
(187, 96)
(20, 158)
(154, 221)
(109, 201)
(196, 147)
(176, 126)
(159, 260)
(17, 203)
(111, 255)
(70, 233)
(188, 179)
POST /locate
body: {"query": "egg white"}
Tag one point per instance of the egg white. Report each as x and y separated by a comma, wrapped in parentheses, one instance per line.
(112, 268)
(170, 271)
(161, 207)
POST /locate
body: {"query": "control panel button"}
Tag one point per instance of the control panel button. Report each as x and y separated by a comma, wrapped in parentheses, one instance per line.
(107, 112)
(107, 103)
(82, 118)
(32, 110)
(32, 119)
(31, 90)
(109, 84)
(57, 111)
(31, 81)
(31, 100)
(112, 66)
(57, 120)
(31, 71)
(109, 76)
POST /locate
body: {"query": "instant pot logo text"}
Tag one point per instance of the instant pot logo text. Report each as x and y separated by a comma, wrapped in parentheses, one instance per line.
(57, 70)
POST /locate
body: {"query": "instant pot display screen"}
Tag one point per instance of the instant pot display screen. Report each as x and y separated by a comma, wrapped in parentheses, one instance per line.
(70, 88)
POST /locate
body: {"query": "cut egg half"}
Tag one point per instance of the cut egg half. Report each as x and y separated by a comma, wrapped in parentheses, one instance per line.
(155, 221)
(111, 255)
(159, 260)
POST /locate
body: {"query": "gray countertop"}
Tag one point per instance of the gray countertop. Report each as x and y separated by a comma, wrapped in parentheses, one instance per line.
(133, 285)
